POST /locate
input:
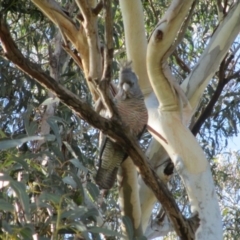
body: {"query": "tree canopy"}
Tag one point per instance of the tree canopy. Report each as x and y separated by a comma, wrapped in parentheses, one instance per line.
(58, 58)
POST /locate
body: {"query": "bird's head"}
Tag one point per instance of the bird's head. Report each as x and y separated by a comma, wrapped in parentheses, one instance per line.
(128, 83)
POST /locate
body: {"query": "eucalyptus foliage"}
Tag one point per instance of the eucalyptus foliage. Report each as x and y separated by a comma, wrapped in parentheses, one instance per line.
(51, 190)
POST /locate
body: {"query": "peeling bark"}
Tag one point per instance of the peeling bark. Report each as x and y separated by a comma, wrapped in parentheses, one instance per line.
(69, 30)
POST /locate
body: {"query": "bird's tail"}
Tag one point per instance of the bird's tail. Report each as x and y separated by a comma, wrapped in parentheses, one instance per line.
(105, 179)
(111, 157)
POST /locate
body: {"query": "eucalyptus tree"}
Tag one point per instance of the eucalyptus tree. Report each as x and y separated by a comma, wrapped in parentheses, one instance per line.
(58, 59)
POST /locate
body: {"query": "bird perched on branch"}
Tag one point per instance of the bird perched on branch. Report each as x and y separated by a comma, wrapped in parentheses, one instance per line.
(129, 102)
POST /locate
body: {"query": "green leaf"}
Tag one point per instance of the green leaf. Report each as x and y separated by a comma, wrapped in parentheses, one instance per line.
(77, 212)
(128, 225)
(225, 212)
(32, 128)
(70, 181)
(54, 126)
(6, 227)
(58, 119)
(80, 227)
(57, 151)
(6, 206)
(2, 134)
(20, 190)
(26, 233)
(49, 197)
(78, 182)
(78, 164)
(90, 213)
(104, 231)
(93, 190)
(5, 144)
(20, 159)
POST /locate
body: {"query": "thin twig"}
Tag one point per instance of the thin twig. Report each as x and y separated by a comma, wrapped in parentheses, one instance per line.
(181, 32)
(74, 55)
(103, 86)
(220, 10)
(153, 9)
(209, 108)
(181, 63)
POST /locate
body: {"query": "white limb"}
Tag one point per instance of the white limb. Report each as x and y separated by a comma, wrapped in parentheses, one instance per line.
(192, 166)
(176, 138)
(135, 39)
(195, 83)
(203, 200)
(128, 196)
(222, 39)
(161, 40)
(158, 157)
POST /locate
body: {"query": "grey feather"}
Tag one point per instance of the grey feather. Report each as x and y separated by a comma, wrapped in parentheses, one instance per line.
(131, 108)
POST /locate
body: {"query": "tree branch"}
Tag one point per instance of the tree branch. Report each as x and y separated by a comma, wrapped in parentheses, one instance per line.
(111, 128)
(183, 149)
(90, 26)
(181, 32)
(162, 38)
(195, 84)
(221, 83)
(135, 40)
(105, 87)
(69, 31)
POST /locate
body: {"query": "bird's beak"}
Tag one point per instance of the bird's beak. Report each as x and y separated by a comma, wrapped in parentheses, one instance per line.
(126, 87)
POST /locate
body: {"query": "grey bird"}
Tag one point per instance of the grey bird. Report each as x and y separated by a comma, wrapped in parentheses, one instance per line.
(131, 108)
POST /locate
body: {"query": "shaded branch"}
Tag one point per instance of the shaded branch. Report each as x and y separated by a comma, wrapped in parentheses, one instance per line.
(208, 110)
(112, 128)
(214, 53)
(105, 88)
(181, 63)
(74, 55)
(108, 35)
(182, 31)
(90, 27)
(98, 8)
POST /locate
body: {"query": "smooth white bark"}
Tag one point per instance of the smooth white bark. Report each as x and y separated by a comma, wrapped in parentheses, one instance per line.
(222, 39)
(196, 83)
(158, 229)
(135, 40)
(180, 144)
